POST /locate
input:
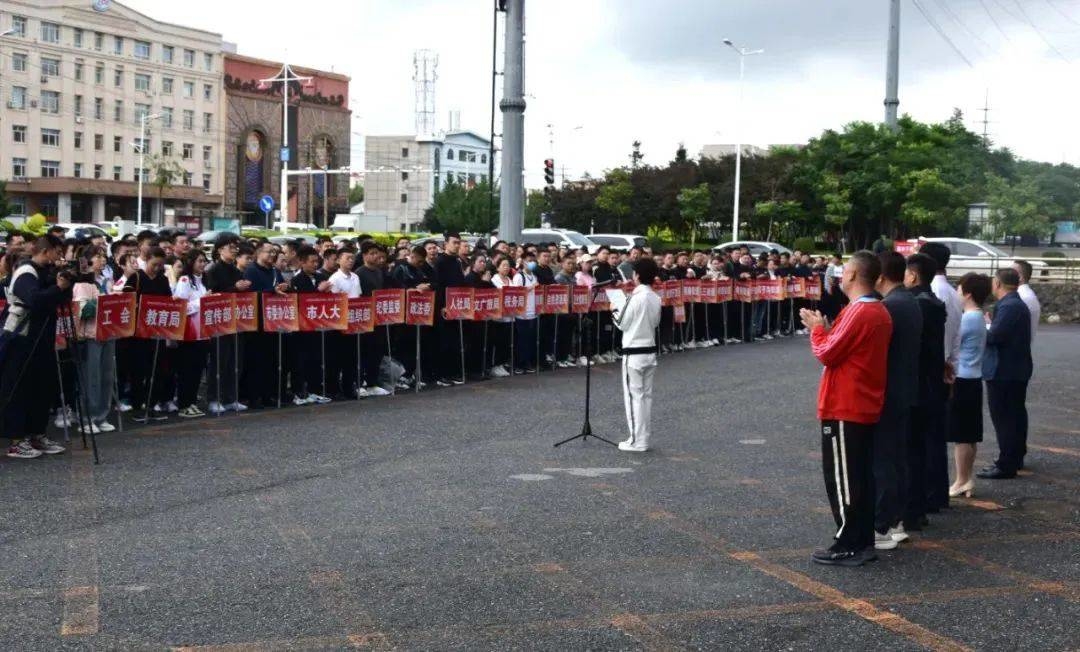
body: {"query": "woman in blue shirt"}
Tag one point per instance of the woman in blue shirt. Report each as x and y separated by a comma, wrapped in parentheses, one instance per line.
(965, 413)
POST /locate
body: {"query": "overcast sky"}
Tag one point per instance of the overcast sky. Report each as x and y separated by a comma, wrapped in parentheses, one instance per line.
(656, 70)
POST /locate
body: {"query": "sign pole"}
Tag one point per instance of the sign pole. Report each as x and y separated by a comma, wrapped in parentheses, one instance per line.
(484, 358)
(279, 369)
(555, 345)
(236, 369)
(513, 361)
(537, 363)
(393, 390)
(461, 341)
(116, 391)
(217, 369)
(322, 357)
(150, 387)
(63, 400)
(359, 380)
(417, 372)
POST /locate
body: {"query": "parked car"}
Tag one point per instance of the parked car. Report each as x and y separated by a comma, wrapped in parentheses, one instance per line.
(208, 238)
(756, 247)
(302, 238)
(562, 237)
(295, 226)
(980, 256)
(81, 231)
(439, 240)
(618, 242)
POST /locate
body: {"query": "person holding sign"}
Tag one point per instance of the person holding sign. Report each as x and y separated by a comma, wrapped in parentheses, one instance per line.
(305, 363)
(638, 318)
(261, 354)
(342, 381)
(149, 384)
(98, 358)
(192, 352)
(373, 345)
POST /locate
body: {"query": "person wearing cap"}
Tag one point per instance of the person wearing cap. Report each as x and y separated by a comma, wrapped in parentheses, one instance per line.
(638, 320)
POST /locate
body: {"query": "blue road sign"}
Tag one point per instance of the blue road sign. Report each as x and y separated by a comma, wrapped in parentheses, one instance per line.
(266, 203)
(284, 153)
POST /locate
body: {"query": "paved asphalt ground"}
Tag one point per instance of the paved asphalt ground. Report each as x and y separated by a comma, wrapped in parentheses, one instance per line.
(448, 521)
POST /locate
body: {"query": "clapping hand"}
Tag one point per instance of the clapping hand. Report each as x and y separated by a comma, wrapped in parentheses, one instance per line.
(811, 318)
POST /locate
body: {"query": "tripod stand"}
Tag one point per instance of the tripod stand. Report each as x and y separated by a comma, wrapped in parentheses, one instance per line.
(586, 428)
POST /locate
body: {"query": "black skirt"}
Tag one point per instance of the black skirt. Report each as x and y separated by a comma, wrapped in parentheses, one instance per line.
(965, 415)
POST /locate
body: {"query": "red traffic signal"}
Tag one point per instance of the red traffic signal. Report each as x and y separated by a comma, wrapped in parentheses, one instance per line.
(549, 171)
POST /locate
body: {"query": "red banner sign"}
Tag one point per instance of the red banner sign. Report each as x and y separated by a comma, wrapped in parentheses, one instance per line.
(514, 299)
(487, 304)
(361, 316)
(279, 314)
(600, 302)
(557, 299)
(247, 310)
(115, 316)
(389, 307)
(680, 313)
(813, 289)
(161, 318)
(320, 311)
(725, 291)
(691, 289)
(755, 290)
(579, 299)
(672, 294)
(217, 315)
(744, 291)
(708, 291)
(421, 307)
(796, 287)
(772, 289)
(459, 303)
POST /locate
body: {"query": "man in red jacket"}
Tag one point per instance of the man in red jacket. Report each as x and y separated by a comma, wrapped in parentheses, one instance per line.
(855, 353)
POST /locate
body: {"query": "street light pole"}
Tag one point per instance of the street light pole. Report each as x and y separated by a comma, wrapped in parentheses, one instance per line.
(142, 157)
(743, 53)
(285, 75)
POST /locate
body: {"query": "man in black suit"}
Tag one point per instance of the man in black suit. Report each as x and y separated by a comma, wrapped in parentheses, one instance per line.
(930, 401)
(448, 274)
(1007, 370)
(892, 432)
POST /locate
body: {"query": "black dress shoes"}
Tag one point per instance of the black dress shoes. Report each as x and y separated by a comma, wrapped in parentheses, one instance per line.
(995, 473)
(835, 556)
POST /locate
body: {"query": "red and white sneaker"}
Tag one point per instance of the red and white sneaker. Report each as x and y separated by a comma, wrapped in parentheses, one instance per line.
(47, 446)
(23, 450)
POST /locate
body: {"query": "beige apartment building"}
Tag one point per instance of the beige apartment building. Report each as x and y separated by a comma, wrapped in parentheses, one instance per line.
(77, 77)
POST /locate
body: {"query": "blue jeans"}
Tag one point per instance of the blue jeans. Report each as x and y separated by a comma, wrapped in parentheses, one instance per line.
(98, 374)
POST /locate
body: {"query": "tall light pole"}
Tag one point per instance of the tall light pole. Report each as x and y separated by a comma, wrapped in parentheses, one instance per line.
(743, 53)
(142, 157)
(892, 67)
(284, 76)
(512, 192)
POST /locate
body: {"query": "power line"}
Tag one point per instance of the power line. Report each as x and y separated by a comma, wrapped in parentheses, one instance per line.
(1062, 13)
(937, 28)
(942, 4)
(1030, 22)
(994, 20)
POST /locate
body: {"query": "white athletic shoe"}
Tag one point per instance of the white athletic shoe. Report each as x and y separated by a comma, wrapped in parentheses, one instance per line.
(92, 429)
(216, 408)
(499, 371)
(898, 534)
(884, 542)
(377, 391)
(105, 426)
(124, 406)
(298, 401)
(318, 399)
(715, 341)
(691, 344)
(582, 361)
(236, 407)
(171, 406)
(632, 448)
(63, 418)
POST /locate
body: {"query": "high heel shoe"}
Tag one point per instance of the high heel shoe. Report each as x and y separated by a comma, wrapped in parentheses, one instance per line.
(967, 489)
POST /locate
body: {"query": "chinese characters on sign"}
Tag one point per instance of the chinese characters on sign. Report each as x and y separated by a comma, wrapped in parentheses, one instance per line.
(513, 301)
(361, 316)
(389, 307)
(279, 313)
(487, 304)
(218, 315)
(246, 312)
(115, 316)
(421, 308)
(557, 299)
(161, 318)
(459, 303)
(323, 312)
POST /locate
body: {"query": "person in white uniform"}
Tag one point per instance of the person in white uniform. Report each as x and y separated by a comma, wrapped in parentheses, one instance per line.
(638, 320)
(1027, 295)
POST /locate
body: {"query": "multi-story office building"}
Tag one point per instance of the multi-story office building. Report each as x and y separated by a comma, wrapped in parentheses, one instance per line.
(77, 79)
(402, 174)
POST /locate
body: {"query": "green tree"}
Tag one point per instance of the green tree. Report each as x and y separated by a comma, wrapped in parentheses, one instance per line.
(1017, 209)
(5, 209)
(356, 195)
(614, 196)
(694, 206)
(536, 204)
(457, 208)
(163, 173)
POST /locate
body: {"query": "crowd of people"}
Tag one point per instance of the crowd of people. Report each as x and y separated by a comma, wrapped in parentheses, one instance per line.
(905, 363)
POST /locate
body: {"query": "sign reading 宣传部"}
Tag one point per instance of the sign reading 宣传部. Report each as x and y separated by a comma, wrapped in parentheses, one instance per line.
(323, 312)
(217, 315)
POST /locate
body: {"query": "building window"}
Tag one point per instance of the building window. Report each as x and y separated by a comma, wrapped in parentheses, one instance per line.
(483, 158)
(483, 178)
(404, 152)
(118, 77)
(99, 108)
(78, 105)
(18, 168)
(18, 28)
(207, 122)
(76, 37)
(449, 155)
(189, 90)
(50, 67)
(142, 49)
(187, 178)
(404, 198)
(117, 172)
(50, 137)
(207, 91)
(189, 151)
(206, 182)
(142, 144)
(78, 170)
(50, 33)
(117, 143)
(18, 62)
(50, 102)
(99, 142)
(141, 111)
(50, 169)
(166, 117)
(99, 40)
(472, 180)
(118, 111)
(99, 74)
(189, 60)
(167, 53)
(18, 133)
(118, 45)
(449, 178)
(78, 140)
(18, 97)
(78, 71)
(142, 82)
(98, 169)
(404, 176)
(461, 178)
(208, 61)
(189, 120)
(166, 148)
(167, 85)
(207, 152)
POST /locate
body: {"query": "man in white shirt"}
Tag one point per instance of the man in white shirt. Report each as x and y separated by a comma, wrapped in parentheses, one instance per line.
(342, 381)
(954, 305)
(638, 320)
(1027, 295)
(343, 281)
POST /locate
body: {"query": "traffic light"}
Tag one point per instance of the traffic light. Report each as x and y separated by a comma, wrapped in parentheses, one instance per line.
(549, 171)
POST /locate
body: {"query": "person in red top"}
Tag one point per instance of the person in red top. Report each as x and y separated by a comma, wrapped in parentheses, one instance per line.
(855, 352)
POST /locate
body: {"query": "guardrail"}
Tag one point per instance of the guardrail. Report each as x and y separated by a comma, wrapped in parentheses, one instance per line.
(1045, 270)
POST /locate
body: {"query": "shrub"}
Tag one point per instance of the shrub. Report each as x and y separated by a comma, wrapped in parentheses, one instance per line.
(1053, 254)
(804, 244)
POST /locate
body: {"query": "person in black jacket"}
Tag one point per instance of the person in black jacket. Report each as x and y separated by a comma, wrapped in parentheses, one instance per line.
(603, 272)
(932, 389)
(373, 345)
(892, 432)
(261, 354)
(1007, 368)
(448, 274)
(28, 379)
(306, 359)
(220, 277)
(151, 281)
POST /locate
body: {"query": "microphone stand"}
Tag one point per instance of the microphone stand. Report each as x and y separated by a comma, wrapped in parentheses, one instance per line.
(586, 428)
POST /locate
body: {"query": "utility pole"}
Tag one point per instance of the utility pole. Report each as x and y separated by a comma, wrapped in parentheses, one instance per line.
(986, 119)
(494, 76)
(285, 75)
(512, 195)
(892, 67)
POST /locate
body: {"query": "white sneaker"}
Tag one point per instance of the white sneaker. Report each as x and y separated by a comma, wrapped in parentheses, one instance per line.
(302, 401)
(715, 342)
(63, 418)
(632, 448)
(23, 450)
(318, 399)
(92, 429)
(884, 542)
(236, 407)
(105, 426)
(377, 391)
(499, 371)
(191, 412)
(215, 408)
(898, 534)
(47, 446)
(124, 406)
(582, 361)
(171, 406)
(691, 344)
